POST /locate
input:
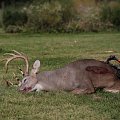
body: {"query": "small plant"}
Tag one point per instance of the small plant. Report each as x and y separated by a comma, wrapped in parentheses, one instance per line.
(50, 16)
(13, 29)
(14, 17)
(44, 17)
(111, 14)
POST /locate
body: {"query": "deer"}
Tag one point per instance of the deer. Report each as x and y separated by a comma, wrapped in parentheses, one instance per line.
(82, 76)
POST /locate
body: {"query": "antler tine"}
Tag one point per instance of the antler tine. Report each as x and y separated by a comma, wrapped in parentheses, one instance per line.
(11, 54)
(8, 83)
(6, 64)
(21, 71)
(16, 52)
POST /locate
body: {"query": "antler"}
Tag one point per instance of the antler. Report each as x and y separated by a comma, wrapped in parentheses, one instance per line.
(9, 83)
(16, 55)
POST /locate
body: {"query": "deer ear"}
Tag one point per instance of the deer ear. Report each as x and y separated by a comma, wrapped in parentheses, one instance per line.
(36, 64)
(35, 68)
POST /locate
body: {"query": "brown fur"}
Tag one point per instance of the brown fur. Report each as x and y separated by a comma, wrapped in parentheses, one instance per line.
(97, 70)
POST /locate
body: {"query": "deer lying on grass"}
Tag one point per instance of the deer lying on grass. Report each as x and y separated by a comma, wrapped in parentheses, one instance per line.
(79, 77)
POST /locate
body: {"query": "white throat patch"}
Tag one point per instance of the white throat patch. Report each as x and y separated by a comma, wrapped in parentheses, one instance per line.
(38, 87)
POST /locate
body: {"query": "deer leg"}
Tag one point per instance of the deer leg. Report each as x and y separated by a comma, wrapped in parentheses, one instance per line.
(85, 88)
(114, 88)
(82, 91)
(111, 90)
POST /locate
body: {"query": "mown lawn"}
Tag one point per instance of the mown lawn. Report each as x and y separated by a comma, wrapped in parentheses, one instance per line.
(54, 51)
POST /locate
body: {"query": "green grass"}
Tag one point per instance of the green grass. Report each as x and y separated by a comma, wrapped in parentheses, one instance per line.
(54, 51)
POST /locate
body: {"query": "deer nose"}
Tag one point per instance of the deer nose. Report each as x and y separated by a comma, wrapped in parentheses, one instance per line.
(26, 89)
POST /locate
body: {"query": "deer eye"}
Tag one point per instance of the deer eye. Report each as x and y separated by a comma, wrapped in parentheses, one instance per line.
(24, 80)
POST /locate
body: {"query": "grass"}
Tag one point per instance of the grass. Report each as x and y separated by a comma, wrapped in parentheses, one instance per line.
(54, 51)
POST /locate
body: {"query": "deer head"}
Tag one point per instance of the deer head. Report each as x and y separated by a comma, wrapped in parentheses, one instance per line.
(28, 83)
(29, 79)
